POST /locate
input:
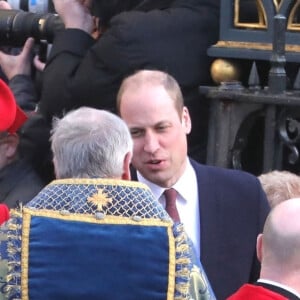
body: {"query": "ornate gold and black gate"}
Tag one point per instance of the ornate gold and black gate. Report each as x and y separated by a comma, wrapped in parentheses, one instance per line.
(255, 106)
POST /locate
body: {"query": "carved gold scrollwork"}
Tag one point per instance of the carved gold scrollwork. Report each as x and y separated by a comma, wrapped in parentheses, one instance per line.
(289, 132)
(242, 10)
(294, 17)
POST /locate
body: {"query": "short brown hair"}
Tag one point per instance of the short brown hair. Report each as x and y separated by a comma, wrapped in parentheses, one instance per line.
(153, 77)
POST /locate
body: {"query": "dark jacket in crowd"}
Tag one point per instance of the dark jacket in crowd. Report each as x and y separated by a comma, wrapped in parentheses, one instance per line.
(23, 87)
(81, 71)
(19, 183)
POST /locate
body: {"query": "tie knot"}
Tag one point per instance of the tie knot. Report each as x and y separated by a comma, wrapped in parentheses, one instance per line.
(171, 209)
(170, 195)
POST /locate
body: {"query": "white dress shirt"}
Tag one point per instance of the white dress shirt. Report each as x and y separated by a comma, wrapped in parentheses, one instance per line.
(187, 202)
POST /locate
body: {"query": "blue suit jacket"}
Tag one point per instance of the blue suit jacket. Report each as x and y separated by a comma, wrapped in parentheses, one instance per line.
(233, 208)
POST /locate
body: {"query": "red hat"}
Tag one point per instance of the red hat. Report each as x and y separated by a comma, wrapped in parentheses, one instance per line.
(11, 115)
(4, 213)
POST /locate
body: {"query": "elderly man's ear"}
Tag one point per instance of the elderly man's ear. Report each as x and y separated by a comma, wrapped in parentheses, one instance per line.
(126, 166)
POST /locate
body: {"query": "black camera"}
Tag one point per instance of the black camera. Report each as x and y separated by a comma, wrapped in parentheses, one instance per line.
(16, 26)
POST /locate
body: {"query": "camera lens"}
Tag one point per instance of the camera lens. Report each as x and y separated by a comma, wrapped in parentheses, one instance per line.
(16, 26)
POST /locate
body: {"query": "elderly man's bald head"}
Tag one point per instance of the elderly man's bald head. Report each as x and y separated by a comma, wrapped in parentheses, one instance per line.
(280, 247)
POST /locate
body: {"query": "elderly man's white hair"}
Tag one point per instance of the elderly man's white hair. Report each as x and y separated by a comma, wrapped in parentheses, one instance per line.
(90, 143)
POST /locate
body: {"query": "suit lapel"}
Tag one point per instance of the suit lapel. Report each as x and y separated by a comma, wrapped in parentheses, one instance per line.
(209, 217)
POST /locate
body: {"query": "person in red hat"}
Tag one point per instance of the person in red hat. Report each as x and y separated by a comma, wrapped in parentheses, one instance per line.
(11, 116)
(19, 182)
(4, 213)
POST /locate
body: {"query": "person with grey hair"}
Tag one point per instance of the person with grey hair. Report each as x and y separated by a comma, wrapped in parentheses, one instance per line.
(278, 249)
(94, 234)
(91, 143)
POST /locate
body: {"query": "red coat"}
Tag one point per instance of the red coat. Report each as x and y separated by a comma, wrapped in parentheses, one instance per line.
(255, 292)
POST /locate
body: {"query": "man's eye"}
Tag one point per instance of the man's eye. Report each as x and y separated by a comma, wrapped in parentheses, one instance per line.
(162, 128)
(136, 133)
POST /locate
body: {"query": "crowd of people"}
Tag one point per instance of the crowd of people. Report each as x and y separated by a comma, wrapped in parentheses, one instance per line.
(109, 135)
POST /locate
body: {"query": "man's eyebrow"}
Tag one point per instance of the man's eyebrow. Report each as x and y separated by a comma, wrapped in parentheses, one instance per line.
(135, 127)
(163, 122)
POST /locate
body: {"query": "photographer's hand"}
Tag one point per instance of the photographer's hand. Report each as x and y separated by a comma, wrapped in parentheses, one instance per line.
(75, 14)
(39, 65)
(20, 64)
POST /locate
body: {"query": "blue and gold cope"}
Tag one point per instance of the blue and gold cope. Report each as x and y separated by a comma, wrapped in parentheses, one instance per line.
(98, 239)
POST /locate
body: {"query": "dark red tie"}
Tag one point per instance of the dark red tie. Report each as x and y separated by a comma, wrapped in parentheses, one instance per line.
(171, 209)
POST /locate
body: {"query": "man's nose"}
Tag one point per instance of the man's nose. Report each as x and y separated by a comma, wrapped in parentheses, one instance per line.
(151, 143)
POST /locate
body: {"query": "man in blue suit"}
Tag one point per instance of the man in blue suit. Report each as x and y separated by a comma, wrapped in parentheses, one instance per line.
(222, 210)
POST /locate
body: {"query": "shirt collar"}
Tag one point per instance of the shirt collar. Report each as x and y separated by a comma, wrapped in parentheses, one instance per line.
(280, 285)
(180, 186)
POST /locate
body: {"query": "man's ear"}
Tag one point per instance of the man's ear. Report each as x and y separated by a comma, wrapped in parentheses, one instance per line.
(259, 245)
(11, 146)
(186, 120)
(126, 166)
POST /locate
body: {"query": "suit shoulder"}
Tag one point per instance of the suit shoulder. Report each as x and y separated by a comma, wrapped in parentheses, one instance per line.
(224, 174)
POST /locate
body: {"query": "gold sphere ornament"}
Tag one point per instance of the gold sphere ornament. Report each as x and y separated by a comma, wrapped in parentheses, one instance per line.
(223, 70)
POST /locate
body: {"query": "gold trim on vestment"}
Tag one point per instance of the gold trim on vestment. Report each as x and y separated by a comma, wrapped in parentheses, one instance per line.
(107, 219)
(97, 181)
(172, 264)
(25, 255)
